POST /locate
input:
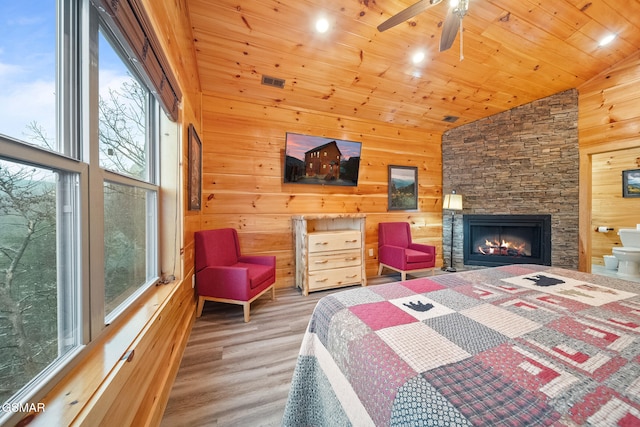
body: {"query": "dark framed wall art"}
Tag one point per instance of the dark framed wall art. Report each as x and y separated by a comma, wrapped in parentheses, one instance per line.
(195, 170)
(403, 188)
(631, 183)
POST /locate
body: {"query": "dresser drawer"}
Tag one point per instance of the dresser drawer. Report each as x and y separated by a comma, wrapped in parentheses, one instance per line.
(323, 241)
(335, 277)
(338, 259)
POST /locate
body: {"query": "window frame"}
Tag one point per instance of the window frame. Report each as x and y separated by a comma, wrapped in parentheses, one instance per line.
(81, 257)
(71, 269)
(99, 318)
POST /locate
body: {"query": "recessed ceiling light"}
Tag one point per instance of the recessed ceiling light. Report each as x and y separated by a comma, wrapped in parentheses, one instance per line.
(418, 57)
(322, 25)
(606, 40)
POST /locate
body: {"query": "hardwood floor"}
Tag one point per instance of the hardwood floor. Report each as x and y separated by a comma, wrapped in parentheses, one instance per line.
(238, 374)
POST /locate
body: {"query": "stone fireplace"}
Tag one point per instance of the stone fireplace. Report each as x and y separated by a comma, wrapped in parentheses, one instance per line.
(493, 240)
(524, 161)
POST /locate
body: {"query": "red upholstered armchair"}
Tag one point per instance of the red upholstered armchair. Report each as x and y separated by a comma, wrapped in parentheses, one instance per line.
(397, 252)
(224, 275)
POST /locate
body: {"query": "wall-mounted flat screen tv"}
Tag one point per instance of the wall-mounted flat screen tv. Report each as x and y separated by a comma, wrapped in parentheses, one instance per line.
(321, 161)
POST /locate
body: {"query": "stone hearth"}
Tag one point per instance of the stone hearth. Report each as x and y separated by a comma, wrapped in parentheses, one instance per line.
(523, 161)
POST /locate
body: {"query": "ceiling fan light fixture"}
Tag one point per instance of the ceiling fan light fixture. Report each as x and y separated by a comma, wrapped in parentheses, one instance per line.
(452, 23)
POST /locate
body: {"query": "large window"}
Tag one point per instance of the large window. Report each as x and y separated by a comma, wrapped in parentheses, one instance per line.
(127, 141)
(37, 322)
(78, 185)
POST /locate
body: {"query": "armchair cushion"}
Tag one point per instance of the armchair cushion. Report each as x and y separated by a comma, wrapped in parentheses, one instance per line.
(413, 256)
(427, 253)
(257, 274)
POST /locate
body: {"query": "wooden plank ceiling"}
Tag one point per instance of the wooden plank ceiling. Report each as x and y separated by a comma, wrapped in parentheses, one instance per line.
(515, 51)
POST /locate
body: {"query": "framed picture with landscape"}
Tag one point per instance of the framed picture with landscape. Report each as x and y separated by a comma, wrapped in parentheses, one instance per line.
(195, 170)
(403, 188)
(631, 183)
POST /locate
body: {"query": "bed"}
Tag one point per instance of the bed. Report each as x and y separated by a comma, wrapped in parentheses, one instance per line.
(511, 345)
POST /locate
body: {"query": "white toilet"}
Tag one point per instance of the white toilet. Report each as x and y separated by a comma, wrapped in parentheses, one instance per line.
(629, 254)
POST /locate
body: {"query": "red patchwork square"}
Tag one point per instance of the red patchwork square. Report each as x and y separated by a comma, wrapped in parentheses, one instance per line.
(383, 314)
(421, 286)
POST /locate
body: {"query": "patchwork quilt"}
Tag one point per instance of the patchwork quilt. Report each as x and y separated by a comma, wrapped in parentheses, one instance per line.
(519, 345)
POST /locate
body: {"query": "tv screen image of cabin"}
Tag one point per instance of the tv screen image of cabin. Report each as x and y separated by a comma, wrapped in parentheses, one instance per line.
(321, 161)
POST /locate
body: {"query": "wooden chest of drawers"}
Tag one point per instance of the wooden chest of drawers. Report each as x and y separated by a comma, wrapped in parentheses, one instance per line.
(329, 258)
(334, 259)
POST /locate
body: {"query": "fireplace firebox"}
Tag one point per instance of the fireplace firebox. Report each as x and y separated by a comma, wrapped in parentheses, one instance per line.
(493, 240)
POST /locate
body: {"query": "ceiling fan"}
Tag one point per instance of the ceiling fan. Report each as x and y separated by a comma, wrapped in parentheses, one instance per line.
(453, 21)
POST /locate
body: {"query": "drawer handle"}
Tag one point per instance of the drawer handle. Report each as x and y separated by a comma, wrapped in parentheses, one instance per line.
(322, 243)
(322, 280)
(351, 259)
(351, 241)
(352, 276)
(322, 262)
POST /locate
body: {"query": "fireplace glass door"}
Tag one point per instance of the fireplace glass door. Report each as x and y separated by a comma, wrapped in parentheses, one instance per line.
(506, 239)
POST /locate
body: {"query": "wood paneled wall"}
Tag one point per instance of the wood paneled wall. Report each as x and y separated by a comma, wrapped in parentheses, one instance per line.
(243, 155)
(609, 140)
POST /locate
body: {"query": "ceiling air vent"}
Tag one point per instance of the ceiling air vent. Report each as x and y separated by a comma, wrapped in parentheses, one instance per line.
(272, 81)
(450, 119)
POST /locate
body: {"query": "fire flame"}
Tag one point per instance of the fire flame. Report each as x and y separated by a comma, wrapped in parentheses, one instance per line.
(504, 248)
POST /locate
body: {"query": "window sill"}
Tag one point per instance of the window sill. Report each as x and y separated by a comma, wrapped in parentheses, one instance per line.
(139, 353)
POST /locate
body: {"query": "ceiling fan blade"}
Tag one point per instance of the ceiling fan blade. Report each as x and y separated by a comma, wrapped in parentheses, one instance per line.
(449, 29)
(408, 13)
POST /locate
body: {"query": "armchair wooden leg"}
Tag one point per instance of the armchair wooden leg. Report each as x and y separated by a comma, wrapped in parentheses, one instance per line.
(380, 269)
(273, 293)
(246, 307)
(403, 276)
(200, 306)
